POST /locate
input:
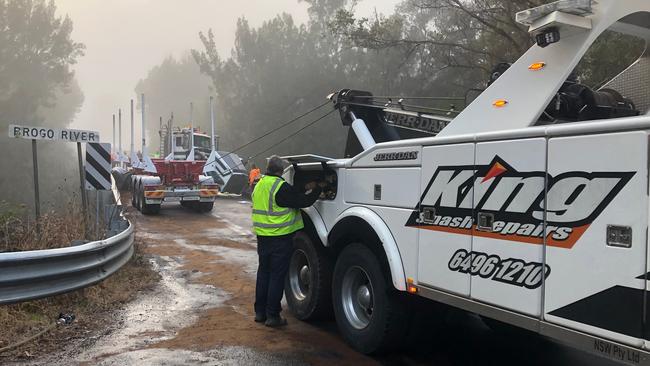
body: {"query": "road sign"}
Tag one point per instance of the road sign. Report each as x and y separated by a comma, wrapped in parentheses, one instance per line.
(98, 166)
(52, 134)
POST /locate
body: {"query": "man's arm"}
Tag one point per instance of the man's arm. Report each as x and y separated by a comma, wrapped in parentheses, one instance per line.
(287, 196)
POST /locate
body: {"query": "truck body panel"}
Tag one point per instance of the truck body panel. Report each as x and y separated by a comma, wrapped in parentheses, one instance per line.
(595, 287)
(514, 194)
(438, 246)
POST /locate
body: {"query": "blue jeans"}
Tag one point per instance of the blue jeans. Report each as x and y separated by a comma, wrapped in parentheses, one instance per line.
(274, 254)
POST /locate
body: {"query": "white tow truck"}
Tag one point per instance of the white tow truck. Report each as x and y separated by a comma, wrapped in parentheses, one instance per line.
(530, 207)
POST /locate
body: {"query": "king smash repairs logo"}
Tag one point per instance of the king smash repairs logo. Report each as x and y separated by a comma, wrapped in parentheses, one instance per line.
(422, 123)
(516, 202)
(395, 156)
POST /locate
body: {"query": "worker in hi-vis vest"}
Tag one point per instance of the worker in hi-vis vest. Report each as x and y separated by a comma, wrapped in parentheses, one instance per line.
(276, 218)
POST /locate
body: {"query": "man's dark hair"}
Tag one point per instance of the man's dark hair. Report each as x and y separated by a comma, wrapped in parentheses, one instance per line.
(275, 166)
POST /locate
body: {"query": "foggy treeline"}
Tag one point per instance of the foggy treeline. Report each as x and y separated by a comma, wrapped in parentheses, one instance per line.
(37, 87)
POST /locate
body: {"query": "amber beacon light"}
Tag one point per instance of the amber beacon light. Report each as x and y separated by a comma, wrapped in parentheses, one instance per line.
(500, 103)
(537, 66)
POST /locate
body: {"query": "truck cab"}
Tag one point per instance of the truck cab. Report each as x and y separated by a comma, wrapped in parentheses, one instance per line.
(226, 169)
(181, 144)
(529, 206)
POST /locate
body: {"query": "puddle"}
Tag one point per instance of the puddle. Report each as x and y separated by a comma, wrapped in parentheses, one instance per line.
(174, 304)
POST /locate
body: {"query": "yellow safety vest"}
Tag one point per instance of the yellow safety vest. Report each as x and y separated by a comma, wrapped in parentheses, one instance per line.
(268, 218)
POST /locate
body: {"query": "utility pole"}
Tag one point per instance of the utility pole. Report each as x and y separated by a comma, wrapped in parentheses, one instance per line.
(171, 136)
(212, 136)
(162, 142)
(113, 132)
(132, 131)
(144, 140)
(192, 125)
(120, 137)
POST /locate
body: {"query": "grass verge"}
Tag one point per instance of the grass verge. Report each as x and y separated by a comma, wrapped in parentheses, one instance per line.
(93, 308)
(19, 231)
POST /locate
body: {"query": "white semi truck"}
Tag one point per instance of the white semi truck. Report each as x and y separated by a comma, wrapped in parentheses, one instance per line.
(530, 207)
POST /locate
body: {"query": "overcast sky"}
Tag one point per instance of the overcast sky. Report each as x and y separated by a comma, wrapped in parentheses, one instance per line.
(125, 38)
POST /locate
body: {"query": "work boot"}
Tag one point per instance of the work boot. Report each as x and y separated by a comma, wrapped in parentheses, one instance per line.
(260, 317)
(275, 321)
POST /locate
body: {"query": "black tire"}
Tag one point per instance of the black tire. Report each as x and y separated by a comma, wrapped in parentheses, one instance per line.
(138, 199)
(206, 206)
(388, 318)
(150, 209)
(142, 203)
(190, 205)
(133, 195)
(309, 297)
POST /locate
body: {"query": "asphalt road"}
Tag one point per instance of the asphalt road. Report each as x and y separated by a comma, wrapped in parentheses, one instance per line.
(201, 312)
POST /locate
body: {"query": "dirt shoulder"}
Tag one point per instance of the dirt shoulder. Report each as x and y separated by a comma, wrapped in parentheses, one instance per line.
(223, 254)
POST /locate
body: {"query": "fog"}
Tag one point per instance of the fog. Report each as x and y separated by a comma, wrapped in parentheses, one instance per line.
(125, 38)
(112, 47)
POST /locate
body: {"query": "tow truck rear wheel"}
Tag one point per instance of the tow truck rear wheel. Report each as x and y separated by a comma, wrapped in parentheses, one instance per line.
(370, 315)
(308, 283)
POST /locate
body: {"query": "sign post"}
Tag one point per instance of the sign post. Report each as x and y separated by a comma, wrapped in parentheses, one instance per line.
(37, 198)
(54, 134)
(84, 197)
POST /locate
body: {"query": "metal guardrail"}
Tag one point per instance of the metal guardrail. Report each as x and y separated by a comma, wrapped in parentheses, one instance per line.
(41, 273)
(36, 274)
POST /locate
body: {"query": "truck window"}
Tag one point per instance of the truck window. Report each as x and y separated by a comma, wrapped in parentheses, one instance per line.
(611, 81)
(202, 142)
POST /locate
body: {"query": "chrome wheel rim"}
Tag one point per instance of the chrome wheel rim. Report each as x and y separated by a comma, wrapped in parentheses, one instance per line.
(300, 275)
(357, 297)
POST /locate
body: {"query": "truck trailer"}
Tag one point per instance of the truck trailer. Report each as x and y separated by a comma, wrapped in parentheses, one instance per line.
(530, 207)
